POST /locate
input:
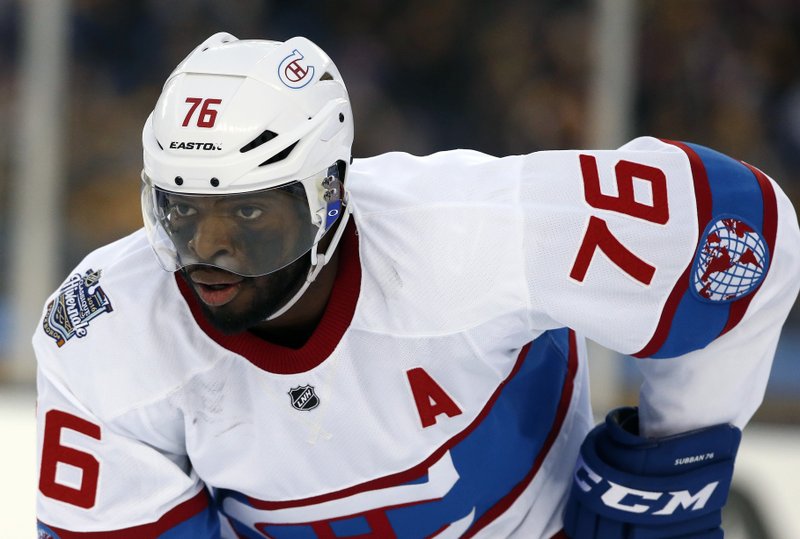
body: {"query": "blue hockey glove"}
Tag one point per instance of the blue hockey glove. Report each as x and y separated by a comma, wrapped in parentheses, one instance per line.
(629, 487)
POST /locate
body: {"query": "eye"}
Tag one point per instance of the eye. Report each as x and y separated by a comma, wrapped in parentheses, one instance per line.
(249, 213)
(182, 210)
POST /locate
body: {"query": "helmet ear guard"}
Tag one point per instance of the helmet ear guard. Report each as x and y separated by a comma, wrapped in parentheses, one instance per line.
(249, 116)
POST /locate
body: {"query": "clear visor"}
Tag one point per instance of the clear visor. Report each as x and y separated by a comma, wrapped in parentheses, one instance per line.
(250, 234)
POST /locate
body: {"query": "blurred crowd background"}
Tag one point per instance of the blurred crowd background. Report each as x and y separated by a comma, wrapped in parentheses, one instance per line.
(507, 76)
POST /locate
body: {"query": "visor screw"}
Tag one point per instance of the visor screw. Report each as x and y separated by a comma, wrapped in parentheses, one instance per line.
(214, 182)
(178, 180)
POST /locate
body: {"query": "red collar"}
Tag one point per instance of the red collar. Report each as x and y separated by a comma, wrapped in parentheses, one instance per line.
(335, 321)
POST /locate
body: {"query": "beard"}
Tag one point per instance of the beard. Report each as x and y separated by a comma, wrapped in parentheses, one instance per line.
(261, 297)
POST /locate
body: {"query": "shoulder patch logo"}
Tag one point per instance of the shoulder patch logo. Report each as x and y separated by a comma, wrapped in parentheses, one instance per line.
(80, 301)
(304, 398)
(731, 261)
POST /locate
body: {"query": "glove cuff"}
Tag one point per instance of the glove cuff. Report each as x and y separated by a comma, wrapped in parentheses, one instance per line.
(626, 485)
(622, 447)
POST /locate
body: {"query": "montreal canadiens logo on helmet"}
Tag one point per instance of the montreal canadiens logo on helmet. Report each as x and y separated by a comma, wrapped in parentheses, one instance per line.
(731, 261)
(294, 72)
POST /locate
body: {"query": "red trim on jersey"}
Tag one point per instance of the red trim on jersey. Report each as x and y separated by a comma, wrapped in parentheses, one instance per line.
(176, 515)
(376, 519)
(769, 229)
(560, 535)
(563, 406)
(423, 467)
(335, 320)
(702, 193)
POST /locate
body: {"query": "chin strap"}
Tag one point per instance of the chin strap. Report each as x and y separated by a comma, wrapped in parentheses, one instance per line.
(318, 261)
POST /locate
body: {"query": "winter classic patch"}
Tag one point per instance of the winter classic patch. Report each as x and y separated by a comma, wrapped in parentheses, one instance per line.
(79, 302)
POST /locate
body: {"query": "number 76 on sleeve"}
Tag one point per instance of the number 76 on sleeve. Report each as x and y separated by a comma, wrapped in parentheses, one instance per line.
(598, 236)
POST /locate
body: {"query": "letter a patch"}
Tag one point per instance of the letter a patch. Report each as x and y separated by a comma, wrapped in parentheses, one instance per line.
(430, 398)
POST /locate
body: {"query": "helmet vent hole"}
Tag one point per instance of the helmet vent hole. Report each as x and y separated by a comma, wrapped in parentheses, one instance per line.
(263, 138)
(280, 156)
(178, 180)
(341, 118)
(214, 182)
(326, 76)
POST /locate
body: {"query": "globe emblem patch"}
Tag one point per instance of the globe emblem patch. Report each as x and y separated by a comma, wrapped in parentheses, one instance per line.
(731, 261)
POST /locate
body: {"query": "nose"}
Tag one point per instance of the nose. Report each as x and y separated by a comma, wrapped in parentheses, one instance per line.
(213, 238)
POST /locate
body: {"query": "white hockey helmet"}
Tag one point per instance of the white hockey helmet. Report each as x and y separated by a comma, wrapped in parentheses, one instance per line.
(248, 120)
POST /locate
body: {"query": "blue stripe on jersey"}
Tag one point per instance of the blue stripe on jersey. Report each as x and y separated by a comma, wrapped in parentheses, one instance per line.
(201, 525)
(734, 193)
(350, 527)
(499, 453)
(491, 460)
(243, 532)
(734, 189)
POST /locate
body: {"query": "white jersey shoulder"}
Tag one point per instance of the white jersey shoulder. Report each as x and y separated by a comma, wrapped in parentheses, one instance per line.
(111, 331)
(440, 241)
(397, 181)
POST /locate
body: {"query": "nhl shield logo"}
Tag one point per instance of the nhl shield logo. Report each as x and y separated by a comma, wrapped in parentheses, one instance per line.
(303, 398)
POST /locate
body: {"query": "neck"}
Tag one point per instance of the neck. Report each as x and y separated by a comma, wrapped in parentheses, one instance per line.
(293, 328)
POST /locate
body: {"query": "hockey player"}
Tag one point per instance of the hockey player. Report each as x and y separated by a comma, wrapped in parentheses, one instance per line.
(303, 345)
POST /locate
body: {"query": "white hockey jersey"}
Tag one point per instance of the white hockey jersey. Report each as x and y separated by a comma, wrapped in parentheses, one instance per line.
(444, 393)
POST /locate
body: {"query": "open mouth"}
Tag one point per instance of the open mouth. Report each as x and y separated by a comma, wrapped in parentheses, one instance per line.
(215, 288)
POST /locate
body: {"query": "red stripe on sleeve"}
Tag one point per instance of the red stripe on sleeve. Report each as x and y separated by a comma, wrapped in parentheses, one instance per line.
(169, 520)
(702, 194)
(769, 229)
